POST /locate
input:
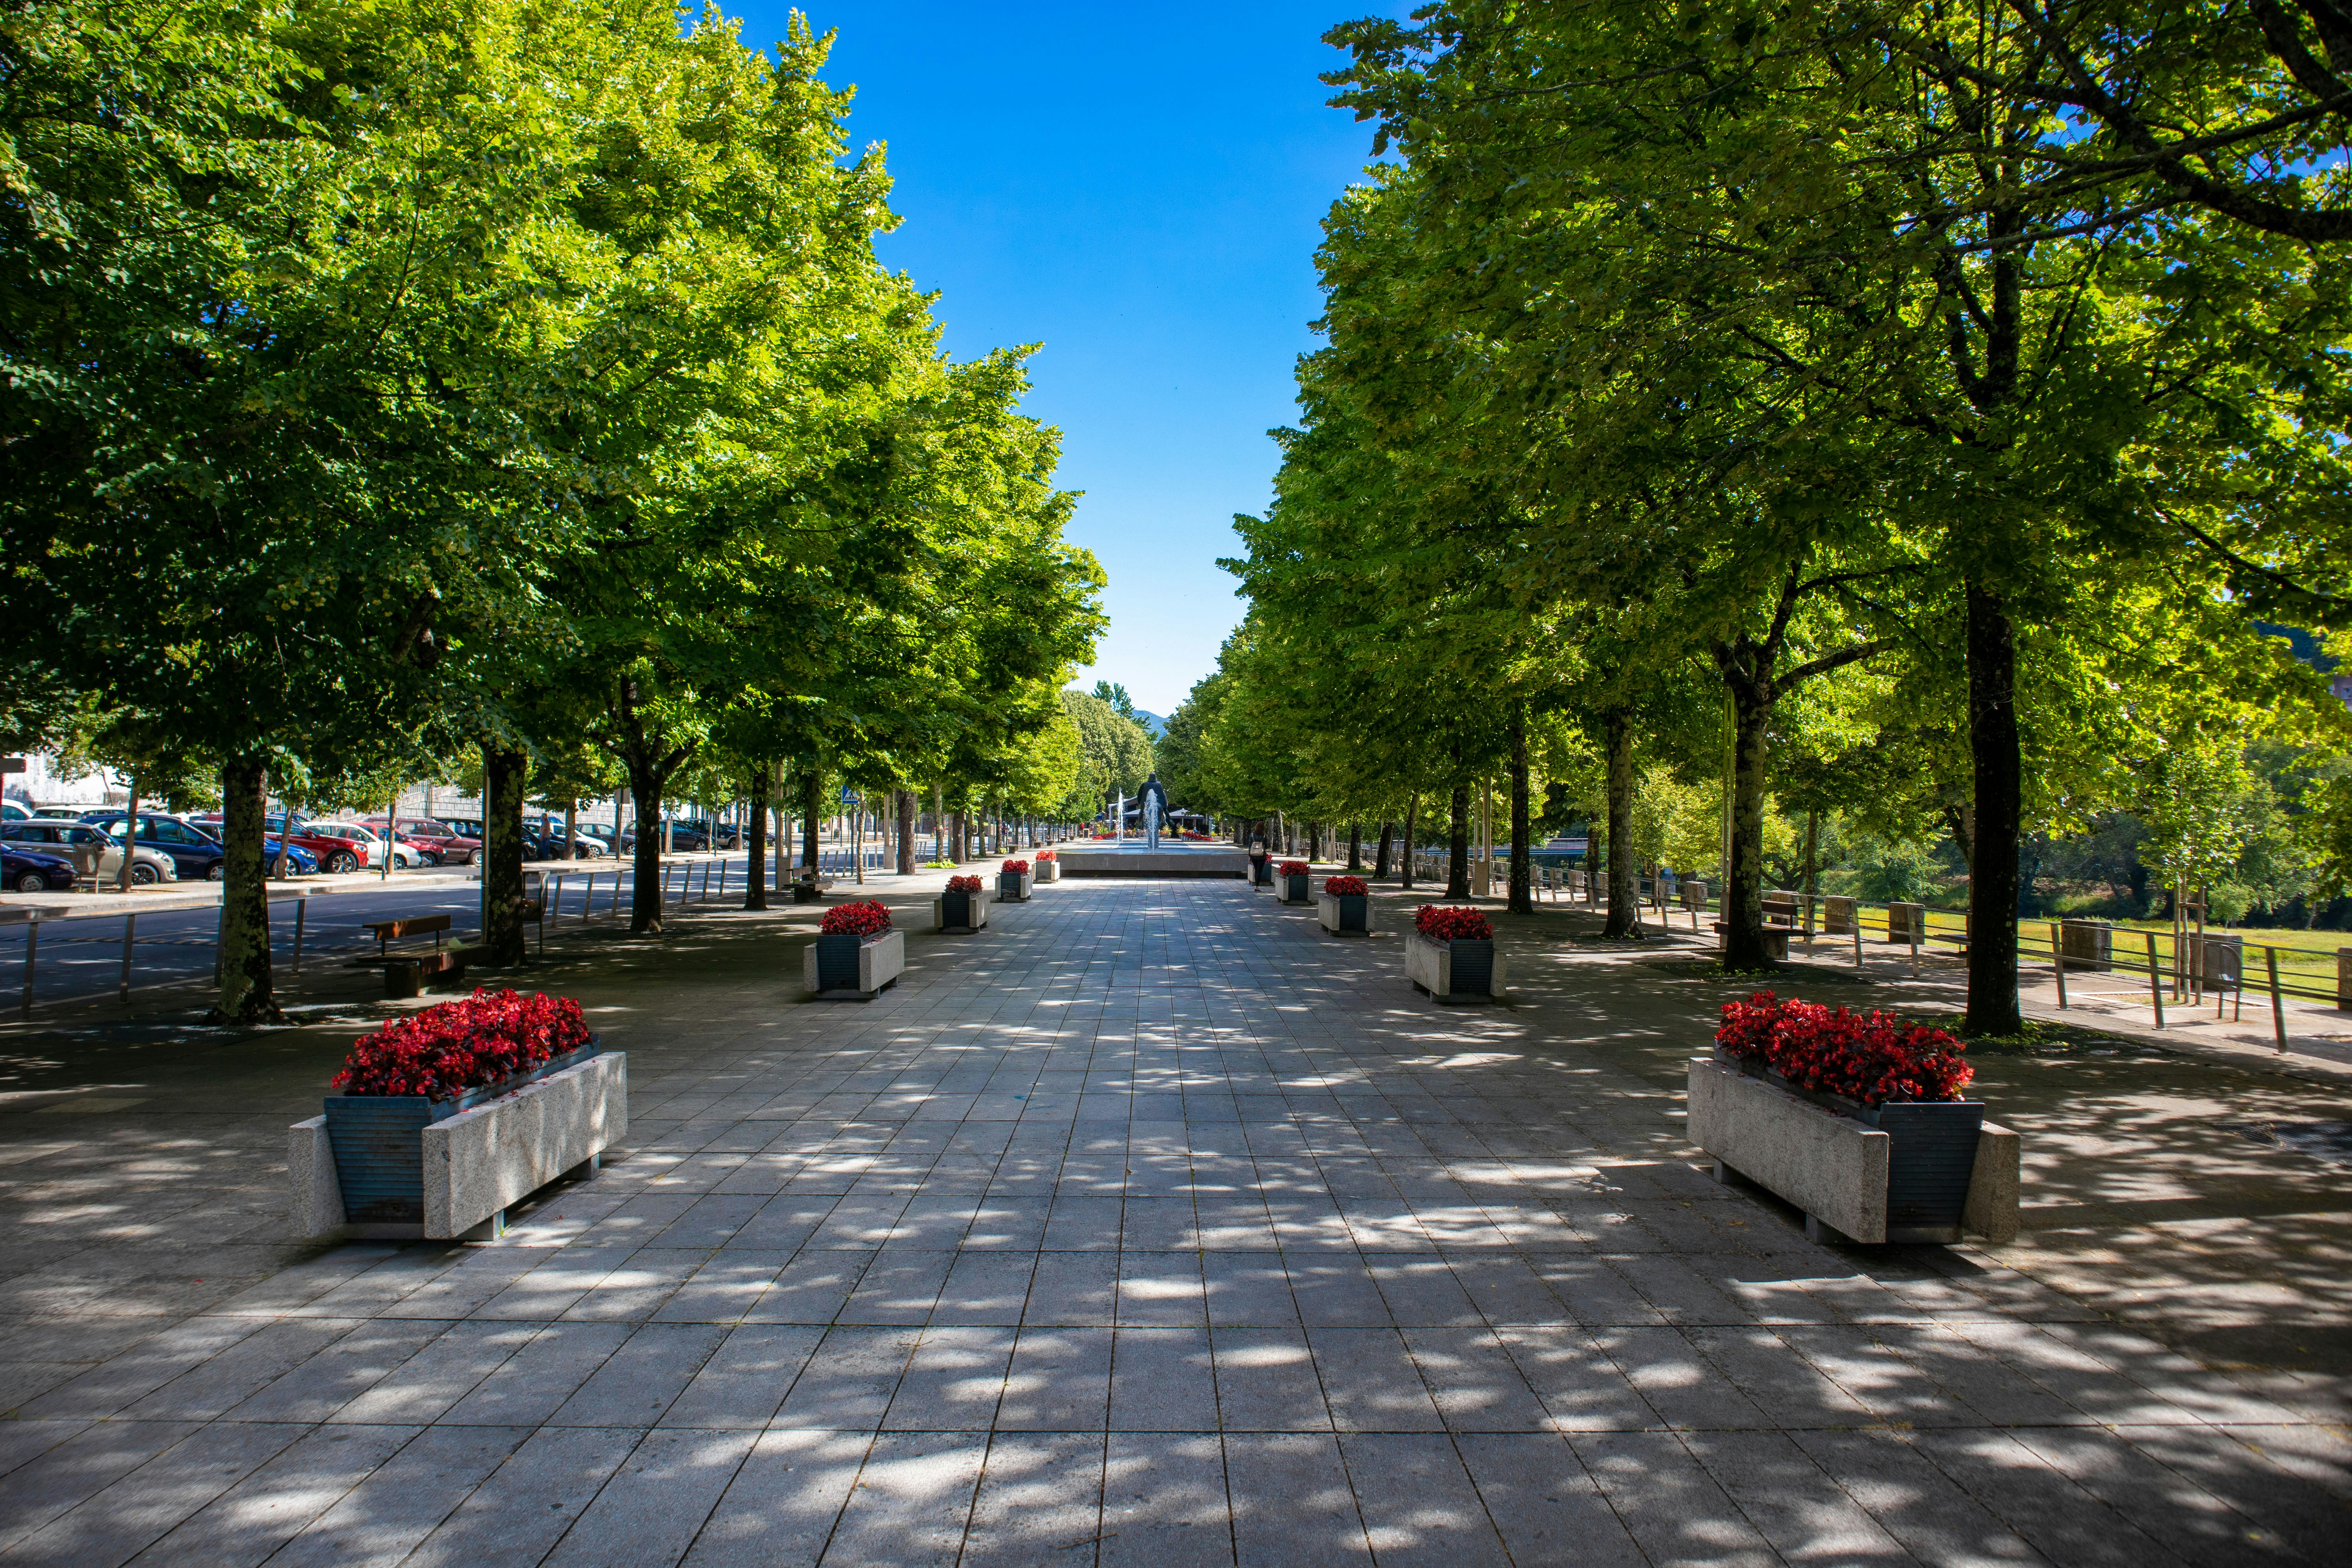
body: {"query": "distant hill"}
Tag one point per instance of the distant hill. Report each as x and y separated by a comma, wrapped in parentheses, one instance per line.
(1151, 722)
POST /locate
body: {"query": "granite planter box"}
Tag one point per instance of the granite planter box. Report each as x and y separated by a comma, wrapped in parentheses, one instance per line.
(1013, 887)
(960, 914)
(1047, 871)
(1294, 890)
(844, 966)
(1349, 914)
(467, 1161)
(1449, 969)
(1902, 1173)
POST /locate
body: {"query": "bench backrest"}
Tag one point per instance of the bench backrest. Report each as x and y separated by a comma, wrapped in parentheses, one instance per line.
(414, 925)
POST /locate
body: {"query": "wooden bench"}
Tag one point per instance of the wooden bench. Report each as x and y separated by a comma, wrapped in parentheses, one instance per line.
(1776, 939)
(1779, 912)
(407, 973)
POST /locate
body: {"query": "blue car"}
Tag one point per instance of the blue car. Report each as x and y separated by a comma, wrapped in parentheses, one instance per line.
(26, 872)
(194, 853)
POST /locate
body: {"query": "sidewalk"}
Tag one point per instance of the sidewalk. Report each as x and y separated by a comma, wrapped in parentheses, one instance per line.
(1155, 1226)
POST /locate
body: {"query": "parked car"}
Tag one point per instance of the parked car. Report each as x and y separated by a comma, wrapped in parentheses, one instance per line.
(440, 844)
(91, 850)
(684, 837)
(10, 811)
(299, 862)
(27, 870)
(62, 813)
(361, 843)
(335, 852)
(194, 851)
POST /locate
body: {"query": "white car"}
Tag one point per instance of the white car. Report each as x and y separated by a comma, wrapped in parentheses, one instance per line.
(403, 856)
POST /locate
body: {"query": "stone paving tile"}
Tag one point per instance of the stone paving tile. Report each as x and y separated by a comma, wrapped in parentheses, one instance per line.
(1151, 1228)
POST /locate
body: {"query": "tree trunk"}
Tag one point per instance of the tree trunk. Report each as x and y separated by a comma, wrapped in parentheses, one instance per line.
(1457, 844)
(503, 768)
(1381, 859)
(122, 878)
(1411, 815)
(1993, 879)
(1355, 847)
(1624, 912)
(755, 884)
(1743, 892)
(812, 802)
(1812, 853)
(905, 833)
(246, 991)
(1523, 852)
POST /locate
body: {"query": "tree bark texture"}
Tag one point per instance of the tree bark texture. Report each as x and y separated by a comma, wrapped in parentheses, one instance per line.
(1523, 853)
(905, 832)
(1355, 847)
(1993, 879)
(1743, 891)
(1624, 912)
(247, 994)
(1381, 859)
(755, 885)
(1411, 817)
(503, 770)
(1457, 870)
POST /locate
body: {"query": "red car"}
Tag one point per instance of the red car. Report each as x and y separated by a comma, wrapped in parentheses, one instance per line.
(443, 844)
(334, 853)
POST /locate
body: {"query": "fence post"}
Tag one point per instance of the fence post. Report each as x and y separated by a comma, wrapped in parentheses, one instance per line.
(2058, 963)
(2278, 1003)
(122, 986)
(301, 912)
(32, 948)
(2155, 990)
(1857, 936)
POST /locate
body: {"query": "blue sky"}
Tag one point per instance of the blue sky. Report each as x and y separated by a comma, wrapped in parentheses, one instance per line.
(1141, 191)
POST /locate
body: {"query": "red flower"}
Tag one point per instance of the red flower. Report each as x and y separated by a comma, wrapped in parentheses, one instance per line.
(480, 1039)
(1018, 868)
(1345, 887)
(866, 917)
(964, 884)
(1441, 923)
(1047, 854)
(1292, 869)
(1868, 1057)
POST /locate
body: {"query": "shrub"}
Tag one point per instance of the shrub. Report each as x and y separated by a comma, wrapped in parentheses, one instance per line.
(1870, 1058)
(866, 917)
(445, 1051)
(964, 884)
(1018, 868)
(1345, 887)
(1452, 922)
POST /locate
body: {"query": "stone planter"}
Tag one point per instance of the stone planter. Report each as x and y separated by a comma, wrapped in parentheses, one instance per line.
(960, 914)
(467, 1164)
(844, 966)
(1906, 925)
(1839, 915)
(1294, 890)
(1449, 969)
(1348, 915)
(1047, 871)
(1013, 887)
(1906, 1173)
(2087, 945)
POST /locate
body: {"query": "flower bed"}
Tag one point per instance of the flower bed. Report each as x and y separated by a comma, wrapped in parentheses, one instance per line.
(1452, 922)
(1049, 865)
(426, 1068)
(1870, 1058)
(1018, 868)
(1048, 855)
(1291, 883)
(964, 884)
(1345, 906)
(864, 917)
(1292, 869)
(471, 1043)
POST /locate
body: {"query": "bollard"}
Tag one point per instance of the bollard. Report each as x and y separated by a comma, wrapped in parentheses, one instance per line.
(613, 908)
(122, 986)
(301, 912)
(2155, 991)
(2058, 964)
(32, 947)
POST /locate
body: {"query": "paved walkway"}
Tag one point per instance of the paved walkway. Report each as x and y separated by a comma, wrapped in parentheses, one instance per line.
(1150, 1227)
